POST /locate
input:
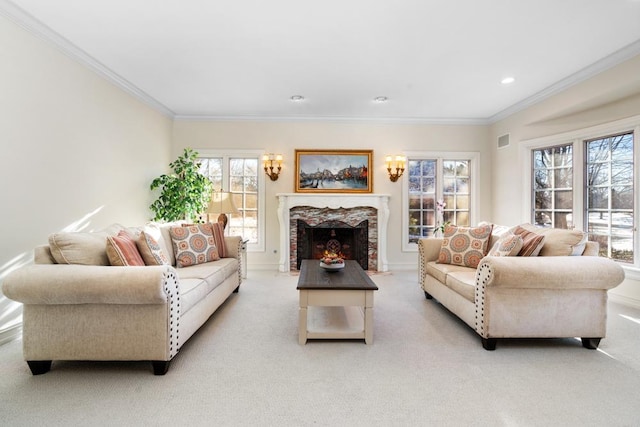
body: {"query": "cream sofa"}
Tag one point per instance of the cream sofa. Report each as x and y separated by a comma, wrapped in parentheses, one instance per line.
(102, 312)
(541, 296)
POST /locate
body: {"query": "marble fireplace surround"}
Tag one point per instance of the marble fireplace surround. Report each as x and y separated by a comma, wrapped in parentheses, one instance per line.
(286, 201)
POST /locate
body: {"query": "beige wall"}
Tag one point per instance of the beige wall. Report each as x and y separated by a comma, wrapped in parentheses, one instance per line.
(383, 139)
(77, 152)
(609, 96)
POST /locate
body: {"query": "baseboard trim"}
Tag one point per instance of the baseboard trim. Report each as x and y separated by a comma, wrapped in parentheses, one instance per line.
(630, 302)
(11, 333)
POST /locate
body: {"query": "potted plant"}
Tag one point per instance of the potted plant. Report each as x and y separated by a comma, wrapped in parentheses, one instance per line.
(185, 193)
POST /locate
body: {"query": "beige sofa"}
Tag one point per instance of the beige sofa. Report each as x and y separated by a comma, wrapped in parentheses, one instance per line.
(543, 296)
(107, 313)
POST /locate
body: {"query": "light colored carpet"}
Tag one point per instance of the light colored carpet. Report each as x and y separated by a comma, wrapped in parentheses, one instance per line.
(425, 367)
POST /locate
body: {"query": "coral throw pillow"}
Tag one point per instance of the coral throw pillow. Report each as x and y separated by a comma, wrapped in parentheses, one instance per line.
(122, 250)
(464, 245)
(150, 250)
(194, 244)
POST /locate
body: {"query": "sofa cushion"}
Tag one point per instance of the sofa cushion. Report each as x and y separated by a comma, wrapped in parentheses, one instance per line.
(559, 242)
(150, 249)
(509, 244)
(464, 246)
(122, 250)
(82, 248)
(463, 283)
(531, 242)
(193, 244)
(197, 281)
(440, 271)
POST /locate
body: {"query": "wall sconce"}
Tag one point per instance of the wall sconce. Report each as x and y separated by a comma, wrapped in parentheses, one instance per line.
(397, 164)
(267, 162)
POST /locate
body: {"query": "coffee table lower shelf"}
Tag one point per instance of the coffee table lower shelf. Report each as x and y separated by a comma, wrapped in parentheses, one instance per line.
(344, 314)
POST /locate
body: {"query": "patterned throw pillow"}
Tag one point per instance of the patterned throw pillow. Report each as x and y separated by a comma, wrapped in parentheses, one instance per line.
(508, 245)
(150, 250)
(218, 236)
(122, 250)
(193, 244)
(464, 246)
(531, 242)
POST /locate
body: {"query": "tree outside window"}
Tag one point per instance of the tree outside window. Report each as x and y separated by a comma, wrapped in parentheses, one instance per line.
(609, 212)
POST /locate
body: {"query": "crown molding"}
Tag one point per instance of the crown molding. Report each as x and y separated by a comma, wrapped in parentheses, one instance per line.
(586, 73)
(42, 31)
(337, 119)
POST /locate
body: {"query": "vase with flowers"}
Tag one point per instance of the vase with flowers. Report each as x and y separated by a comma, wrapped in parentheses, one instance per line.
(441, 224)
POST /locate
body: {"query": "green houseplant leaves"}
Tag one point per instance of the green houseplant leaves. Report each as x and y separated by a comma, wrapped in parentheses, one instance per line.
(185, 193)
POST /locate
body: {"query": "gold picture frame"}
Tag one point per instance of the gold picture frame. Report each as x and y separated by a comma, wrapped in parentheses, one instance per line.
(334, 171)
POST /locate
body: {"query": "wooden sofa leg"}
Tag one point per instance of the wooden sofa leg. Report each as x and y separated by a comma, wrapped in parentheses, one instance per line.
(427, 295)
(591, 343)
(160, 367)
(489, 343)
(235, 291)
(39, 367)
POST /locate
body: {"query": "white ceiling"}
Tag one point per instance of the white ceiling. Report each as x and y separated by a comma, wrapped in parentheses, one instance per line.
(436, 60)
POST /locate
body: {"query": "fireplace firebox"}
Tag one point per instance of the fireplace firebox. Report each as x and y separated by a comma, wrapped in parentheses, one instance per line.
(335, 237)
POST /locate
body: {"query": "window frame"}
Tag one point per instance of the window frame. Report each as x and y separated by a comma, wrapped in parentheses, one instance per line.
(578, 139)
(474, 164)
(257, 154)
(553, 168)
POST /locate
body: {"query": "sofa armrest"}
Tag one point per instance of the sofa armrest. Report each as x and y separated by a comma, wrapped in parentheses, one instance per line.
(82, 284)
(428, 250)
(561, 272)
(233, 246)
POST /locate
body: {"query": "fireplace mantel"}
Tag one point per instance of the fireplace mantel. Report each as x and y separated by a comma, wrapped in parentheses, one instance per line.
(332, 201)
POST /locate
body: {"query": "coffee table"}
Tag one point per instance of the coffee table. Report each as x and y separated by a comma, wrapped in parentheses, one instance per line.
(344, 289)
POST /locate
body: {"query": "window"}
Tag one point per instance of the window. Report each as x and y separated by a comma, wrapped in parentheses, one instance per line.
(433, 177)
(244, 187)
(553, 187)
(238, 173)
(609, 195)
(588, 182)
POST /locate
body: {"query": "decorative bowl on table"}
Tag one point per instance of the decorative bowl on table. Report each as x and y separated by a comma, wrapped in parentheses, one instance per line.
(332, 263)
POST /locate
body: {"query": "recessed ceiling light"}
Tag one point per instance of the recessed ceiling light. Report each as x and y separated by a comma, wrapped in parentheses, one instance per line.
(297, 98)
(380, 99)
(507, 80)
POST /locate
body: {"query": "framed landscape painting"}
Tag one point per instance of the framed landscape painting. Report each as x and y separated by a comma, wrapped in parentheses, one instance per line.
(334, 171)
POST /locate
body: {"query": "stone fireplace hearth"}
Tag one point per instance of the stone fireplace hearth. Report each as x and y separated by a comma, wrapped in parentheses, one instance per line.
(318, 211)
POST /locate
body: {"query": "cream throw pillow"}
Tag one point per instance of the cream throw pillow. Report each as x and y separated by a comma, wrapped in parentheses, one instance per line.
(82, 248)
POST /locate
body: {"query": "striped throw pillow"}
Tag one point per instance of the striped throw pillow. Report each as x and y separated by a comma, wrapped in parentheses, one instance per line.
(531, 242)
(218, 236)
(122, 250)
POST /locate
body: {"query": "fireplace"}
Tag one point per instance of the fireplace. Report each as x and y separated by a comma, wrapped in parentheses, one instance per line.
(334, 237)
(352, 210)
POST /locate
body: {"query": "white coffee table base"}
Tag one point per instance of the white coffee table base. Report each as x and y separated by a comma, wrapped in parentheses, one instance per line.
(335, 314)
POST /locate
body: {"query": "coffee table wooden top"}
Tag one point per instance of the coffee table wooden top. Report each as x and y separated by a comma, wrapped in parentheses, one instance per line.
(351, 277)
